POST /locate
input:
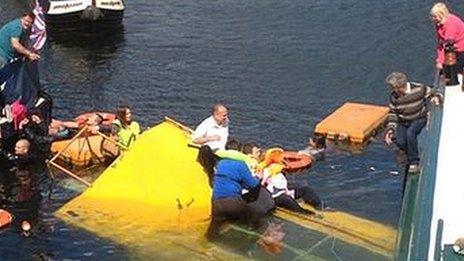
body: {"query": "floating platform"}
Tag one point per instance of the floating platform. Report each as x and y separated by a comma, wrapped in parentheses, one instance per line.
(353, 122)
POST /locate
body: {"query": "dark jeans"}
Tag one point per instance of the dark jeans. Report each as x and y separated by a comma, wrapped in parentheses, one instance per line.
(305, 193)
(406, 138)
(287, 202)
(308, 195)
(261, 204)
(227, 209)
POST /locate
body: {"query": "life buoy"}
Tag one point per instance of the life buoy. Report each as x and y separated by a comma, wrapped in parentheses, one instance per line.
(5, 218)
(108, 118)
(296, 162)
(84, 119)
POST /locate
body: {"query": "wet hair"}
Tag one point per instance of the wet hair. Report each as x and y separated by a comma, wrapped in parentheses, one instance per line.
(217, 106)
(439, 9)
(233, 144)
(121, 114)
(247, 148)
(396, 80)
(319, 141)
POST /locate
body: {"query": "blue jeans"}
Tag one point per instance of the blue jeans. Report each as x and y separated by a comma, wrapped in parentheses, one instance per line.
(406, 138)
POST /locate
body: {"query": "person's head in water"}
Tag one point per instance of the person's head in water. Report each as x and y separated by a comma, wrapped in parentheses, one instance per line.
(317, 141)
(397, 82)
(22, 147)
(233, 144)
(438, 13)
(220, 113)
(27, 19)
(124, 115)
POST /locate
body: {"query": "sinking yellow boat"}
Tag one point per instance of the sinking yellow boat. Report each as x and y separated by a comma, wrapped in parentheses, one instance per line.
(155, 199)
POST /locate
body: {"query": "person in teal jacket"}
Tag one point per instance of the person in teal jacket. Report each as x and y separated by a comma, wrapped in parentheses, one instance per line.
(12, 35)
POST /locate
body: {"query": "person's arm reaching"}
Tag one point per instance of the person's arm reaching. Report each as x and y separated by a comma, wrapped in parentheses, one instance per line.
(23, 50)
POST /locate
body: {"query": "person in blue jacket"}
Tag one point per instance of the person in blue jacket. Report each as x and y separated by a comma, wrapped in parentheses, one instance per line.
(227, 203)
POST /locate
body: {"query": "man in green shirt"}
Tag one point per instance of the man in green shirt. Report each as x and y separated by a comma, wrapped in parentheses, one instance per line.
(11, 35)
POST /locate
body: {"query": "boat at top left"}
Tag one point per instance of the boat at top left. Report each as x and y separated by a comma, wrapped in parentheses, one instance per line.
(84, 16)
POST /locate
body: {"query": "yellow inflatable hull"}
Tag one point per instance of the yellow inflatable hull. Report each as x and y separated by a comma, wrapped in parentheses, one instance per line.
(155, 199)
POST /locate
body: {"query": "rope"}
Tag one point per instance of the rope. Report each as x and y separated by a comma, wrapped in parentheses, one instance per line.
(332, 249)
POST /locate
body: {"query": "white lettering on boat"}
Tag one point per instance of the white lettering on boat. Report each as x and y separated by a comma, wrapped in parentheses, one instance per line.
(111, 3)
(67, 5)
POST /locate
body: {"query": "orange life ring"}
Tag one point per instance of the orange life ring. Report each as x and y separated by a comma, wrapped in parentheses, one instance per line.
(5, 218)
(108, 118)
(83, 119)
(296, 162)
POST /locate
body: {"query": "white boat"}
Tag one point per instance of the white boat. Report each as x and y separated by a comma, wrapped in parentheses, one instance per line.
(83, 15)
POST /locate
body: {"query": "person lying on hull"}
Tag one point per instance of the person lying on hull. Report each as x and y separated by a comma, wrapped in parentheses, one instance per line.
(276, 183)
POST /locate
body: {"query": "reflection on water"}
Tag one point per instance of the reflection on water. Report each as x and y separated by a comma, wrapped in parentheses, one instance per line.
(20, 194)
(31, 197)
(108, 39)
(79, 78)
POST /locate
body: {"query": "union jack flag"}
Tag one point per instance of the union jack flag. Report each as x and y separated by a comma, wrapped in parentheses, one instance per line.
(38, 35)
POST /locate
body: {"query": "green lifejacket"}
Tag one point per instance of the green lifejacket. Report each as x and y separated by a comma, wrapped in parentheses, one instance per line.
(127, 135)
(237, 155)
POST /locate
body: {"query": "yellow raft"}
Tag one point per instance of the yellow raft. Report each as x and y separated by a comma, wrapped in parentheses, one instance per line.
(157, 194)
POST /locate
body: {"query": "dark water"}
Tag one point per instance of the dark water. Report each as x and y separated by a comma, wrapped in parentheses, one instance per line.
(281, 66)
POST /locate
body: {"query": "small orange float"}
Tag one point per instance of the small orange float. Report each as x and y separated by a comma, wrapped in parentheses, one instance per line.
(5, 218)
(296, 162)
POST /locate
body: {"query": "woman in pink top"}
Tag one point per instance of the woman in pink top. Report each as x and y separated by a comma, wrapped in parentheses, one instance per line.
(450, 28)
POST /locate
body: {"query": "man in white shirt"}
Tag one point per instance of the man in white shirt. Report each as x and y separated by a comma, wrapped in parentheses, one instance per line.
(214, 130)
(212, 135)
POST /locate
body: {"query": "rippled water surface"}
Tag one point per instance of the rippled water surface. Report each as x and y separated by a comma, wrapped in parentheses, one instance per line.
(281, 66)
